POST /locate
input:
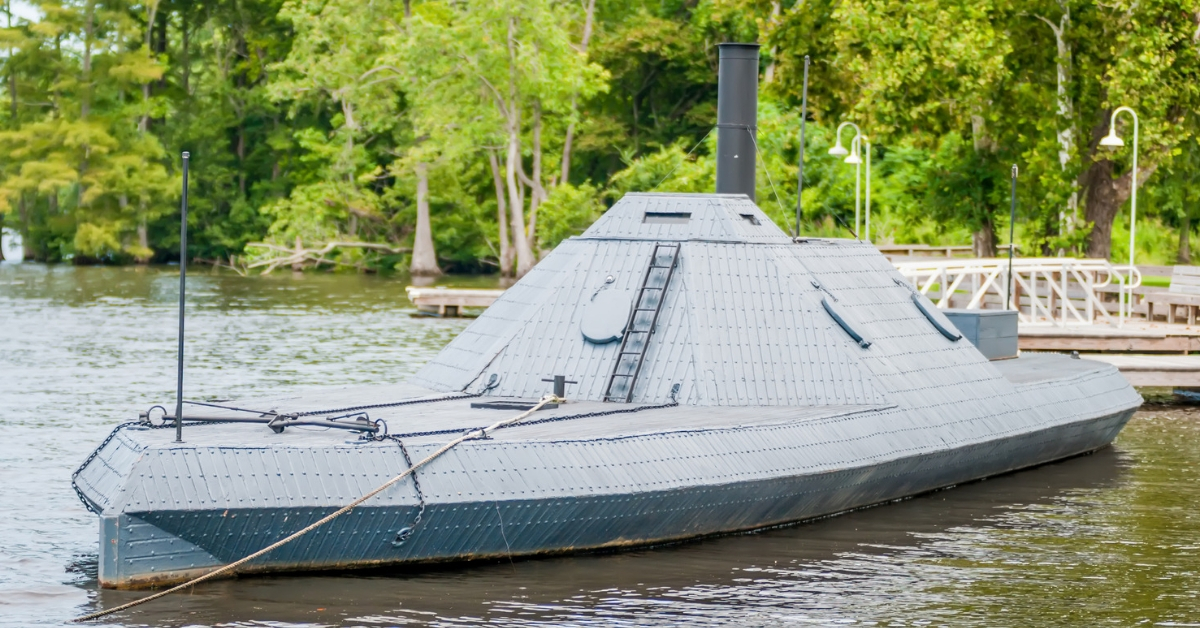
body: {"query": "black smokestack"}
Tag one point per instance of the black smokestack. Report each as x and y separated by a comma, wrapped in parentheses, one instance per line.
(737, 118)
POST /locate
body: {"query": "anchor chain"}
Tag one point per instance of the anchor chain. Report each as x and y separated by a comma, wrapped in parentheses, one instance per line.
(231, 567)
(404, 533)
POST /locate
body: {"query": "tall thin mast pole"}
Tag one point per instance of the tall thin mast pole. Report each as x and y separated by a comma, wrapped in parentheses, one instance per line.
(1012, 223)
(182, 290)
(803, 119)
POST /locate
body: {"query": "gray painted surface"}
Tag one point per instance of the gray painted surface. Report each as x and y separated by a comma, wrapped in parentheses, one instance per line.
(781, 416)
(737, 118)
(605, 316)
(993, 332)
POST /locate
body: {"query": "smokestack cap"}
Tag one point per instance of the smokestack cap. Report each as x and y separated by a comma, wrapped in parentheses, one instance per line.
(732, 50)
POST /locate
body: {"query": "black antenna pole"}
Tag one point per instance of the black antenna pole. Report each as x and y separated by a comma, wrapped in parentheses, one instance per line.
(182, 288)
(1012, 224)
(803, 119)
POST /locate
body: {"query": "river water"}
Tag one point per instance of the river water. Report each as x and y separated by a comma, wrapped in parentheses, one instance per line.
(1107, 539)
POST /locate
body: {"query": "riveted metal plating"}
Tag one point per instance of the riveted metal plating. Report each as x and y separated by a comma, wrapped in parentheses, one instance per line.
(780, 417)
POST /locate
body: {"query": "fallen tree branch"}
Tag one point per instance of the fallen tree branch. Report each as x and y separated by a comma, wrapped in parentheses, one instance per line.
(299, 256)
(233, 264)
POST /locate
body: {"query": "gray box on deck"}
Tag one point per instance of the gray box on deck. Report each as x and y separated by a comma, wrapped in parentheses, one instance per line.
(993, 332)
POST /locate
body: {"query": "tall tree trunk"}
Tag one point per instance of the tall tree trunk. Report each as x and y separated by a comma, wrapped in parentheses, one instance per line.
(1066, 110)
(537, 192)
(85, 101)
(1, 237)
(89, 29)
(1185, 231)
(298, 266)
(569, 139)
(983, 242)
(1102, 206)
(769, 74)
(143, 128)
(516, 203)
(152, 9)
(506, 253)
(23, 212)
(424, 258)
(143, 241)
(512, 165)
(159, 48)
(12, 73)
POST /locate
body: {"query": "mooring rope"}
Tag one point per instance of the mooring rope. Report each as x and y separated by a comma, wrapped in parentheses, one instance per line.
(481, 433)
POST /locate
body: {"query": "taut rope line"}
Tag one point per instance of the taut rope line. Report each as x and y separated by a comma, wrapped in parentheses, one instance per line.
(480, 433)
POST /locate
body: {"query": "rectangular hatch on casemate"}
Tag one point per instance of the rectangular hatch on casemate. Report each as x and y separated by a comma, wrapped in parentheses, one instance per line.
(666, 218)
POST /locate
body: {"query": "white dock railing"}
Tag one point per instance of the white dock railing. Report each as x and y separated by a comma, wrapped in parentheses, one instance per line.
(1045, 291)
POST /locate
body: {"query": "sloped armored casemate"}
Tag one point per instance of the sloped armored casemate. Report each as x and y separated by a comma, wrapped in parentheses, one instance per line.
(747, 404)
(719, 376)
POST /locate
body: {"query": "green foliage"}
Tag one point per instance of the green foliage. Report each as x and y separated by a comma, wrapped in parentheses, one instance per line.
(309, 119)
(569, 211)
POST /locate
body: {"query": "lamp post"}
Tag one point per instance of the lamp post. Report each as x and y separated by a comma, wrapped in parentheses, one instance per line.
(867, 227)
(852, 157)
(1113, 141)
(855, 159)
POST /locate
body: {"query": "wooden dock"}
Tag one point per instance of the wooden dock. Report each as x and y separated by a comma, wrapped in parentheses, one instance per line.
(1147, 354)
(443, 301)
(1142, 370)
(1136, 336)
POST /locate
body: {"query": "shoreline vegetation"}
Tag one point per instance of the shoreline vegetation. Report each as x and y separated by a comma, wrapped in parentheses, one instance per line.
(435, 137)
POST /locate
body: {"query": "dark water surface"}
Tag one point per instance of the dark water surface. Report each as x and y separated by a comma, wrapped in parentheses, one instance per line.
(1107, 539)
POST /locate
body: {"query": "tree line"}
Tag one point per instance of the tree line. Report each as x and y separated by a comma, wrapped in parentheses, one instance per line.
(438, 135)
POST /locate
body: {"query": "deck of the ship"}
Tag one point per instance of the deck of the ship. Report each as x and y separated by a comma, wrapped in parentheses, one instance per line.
(443, 419)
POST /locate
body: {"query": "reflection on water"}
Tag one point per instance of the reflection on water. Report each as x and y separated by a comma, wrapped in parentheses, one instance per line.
(1107, 538)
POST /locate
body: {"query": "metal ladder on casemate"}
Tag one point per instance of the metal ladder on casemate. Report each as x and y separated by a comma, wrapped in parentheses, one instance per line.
(642, 322)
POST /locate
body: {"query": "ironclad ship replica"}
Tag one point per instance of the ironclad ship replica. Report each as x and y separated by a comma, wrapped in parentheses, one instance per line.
(715, 374)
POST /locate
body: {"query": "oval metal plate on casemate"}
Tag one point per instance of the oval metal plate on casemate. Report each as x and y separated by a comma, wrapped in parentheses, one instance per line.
(604, 319)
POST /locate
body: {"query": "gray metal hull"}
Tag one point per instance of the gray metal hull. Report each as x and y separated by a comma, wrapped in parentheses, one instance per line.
(141, 549)
(743, 403)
